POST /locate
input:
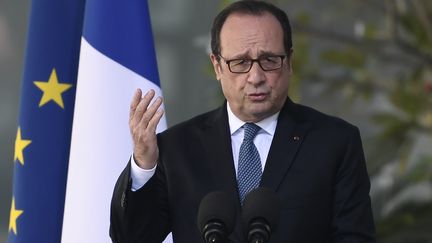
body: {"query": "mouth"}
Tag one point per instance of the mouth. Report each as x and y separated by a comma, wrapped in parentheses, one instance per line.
(256, 97)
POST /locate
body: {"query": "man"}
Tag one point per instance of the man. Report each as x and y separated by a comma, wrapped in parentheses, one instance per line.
(313, 162)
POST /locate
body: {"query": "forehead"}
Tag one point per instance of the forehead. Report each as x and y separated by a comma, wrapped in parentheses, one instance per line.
(251, 35)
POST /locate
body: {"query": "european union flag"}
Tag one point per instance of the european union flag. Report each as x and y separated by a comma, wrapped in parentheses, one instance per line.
(45, 121)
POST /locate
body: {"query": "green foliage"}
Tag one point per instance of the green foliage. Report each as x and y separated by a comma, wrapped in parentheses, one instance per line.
(422, 172)
(350, 57)
(299, 60)
(303, 18)
(412, 25)
(370, 31)
(224, 3)
(410, 97)
(410, 224)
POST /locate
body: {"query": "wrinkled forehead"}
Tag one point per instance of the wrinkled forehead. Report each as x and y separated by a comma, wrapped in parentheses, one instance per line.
(251, 35)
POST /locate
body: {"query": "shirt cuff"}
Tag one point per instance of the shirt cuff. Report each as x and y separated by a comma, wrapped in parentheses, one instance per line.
(139, 175)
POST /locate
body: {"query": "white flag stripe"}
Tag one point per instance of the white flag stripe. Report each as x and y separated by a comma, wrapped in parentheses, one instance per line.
(100, 144)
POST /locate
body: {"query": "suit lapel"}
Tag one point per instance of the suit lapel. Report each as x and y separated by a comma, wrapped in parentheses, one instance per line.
(221, 162)
(289, 135)
(218, 147)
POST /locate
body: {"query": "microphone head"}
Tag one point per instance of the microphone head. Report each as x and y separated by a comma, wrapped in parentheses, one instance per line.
(217, 206)
(263, 204)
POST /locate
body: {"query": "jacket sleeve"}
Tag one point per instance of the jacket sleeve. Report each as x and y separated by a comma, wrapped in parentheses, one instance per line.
(142, 215)
(352, 211)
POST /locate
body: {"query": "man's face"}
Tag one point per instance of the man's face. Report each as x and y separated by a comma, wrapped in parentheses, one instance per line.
(257, 94)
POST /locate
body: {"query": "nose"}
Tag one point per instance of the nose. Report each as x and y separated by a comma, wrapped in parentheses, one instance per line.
(256, 75)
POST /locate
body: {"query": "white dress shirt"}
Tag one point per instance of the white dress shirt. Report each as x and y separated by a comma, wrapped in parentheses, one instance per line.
(262, 142)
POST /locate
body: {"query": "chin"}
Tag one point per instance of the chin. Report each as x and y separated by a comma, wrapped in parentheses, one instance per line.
(259, 113)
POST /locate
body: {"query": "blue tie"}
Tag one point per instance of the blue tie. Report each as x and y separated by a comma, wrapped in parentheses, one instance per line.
(249, 167)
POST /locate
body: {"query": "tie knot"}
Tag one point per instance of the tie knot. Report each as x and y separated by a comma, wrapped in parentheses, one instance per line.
(250, 130)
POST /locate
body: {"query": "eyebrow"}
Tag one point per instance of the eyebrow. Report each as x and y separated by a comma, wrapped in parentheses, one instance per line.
(261, 54)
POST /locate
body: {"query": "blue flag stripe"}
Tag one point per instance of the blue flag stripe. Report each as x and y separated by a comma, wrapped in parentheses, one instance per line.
(123, 32)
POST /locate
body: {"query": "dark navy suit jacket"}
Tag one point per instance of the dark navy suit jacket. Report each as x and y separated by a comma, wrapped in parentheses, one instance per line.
(315, 165)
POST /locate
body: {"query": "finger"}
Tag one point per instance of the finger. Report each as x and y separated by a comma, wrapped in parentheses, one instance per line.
(142, 106)
(134, 103)
(155, 121)
(151, 110)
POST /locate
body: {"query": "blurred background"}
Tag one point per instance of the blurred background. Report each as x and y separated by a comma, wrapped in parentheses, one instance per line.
(369, 62)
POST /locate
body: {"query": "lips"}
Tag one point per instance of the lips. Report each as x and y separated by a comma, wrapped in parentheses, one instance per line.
(257, 96)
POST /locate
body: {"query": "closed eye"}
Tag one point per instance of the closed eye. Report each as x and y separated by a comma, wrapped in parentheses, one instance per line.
(240, 62)
(271, 59)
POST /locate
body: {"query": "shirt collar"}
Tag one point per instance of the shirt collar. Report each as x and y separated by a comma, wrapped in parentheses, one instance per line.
(268, 124)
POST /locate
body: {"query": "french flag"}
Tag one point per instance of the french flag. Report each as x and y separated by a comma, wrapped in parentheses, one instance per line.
(117, 56)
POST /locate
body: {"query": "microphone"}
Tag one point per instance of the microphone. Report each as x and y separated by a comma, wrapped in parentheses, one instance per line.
(260, 214)
(216, 217)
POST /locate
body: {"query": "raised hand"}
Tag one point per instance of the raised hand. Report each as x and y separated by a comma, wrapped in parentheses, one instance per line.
(143, 120)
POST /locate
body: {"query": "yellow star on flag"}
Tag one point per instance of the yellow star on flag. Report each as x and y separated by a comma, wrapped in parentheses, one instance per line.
(20, 145)
(14, 214)
(52, 89)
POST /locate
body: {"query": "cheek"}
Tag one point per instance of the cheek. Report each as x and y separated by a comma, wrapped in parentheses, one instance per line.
(232, 88)
(280, 85)
(226, 88)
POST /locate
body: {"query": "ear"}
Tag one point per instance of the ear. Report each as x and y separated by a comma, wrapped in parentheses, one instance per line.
(216, 66)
